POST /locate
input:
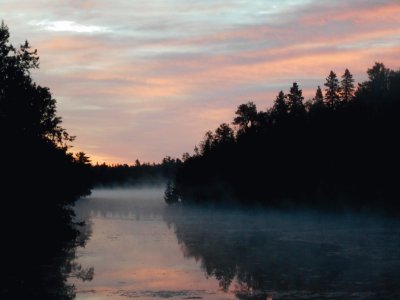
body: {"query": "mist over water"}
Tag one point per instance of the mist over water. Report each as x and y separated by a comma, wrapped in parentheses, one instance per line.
(122, 203)
(141, 248)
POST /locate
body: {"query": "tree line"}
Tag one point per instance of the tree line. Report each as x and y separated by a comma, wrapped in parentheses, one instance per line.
(40, 179)
(339, 148)
(137, 174)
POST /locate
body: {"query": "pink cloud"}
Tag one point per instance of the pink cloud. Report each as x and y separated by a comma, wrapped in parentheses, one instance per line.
(163, 75)
(360, 15)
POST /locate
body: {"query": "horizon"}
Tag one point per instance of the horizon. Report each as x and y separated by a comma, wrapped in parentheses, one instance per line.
(145, 81)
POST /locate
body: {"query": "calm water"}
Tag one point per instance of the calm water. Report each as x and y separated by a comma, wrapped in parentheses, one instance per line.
(142, 249)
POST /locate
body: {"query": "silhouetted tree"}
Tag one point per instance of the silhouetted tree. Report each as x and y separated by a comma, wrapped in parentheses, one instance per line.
(207, 143)
(344, 154)
(317, 104)
(82, 158)
(346, 87)
(5, 46)
(378, 88)
(319, 98)
(379, 76)
(25, 107)
(332, 91)
(40, 180)
(295, 101)
(196, 150)
(223, 134)
(280, 108)
(246, 116)
(185, 156)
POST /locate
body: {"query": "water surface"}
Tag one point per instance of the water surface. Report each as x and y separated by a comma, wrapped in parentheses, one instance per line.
(142, 249)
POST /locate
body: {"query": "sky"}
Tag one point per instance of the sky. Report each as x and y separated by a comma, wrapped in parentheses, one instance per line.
(146, 79)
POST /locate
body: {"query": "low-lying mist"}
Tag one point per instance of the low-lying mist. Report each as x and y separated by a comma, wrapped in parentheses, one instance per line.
(122, 201)
(254, 252)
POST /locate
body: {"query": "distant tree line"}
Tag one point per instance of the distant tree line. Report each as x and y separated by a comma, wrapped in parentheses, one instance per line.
(339, 148)
(137, 174)
(40, 179)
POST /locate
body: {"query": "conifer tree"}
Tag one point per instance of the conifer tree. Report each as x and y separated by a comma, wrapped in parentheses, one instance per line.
(332, 91)
(346, 87)
(280, 108)
(319, 97)
(295, 100)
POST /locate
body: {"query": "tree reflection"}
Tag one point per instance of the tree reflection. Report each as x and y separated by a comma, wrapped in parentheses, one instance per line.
(260, 255)
(39, 259)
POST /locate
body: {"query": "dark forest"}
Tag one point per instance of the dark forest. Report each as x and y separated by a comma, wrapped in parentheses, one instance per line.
(337, 150)
(40, 181)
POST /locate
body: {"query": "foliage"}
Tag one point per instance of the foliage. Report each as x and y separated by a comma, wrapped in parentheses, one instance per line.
(347, 87)
(295, 101)
(337, 150)
(332, 91)
(246, 116)
(140, 173)
(40, 180)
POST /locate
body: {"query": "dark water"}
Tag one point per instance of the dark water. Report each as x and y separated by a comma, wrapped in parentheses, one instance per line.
(142, 249)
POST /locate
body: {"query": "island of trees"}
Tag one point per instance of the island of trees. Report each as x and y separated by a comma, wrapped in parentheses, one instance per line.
(339, 149)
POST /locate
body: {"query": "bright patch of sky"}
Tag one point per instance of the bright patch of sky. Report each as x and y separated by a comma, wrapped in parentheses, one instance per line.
(68, 26)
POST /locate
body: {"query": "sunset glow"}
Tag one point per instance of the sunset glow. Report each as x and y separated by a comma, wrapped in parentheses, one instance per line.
(143, 80)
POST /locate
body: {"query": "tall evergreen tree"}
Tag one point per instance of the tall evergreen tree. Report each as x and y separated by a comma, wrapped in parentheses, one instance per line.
(316, 105)
(280, 108)
(332, 91)
(295, 100)
(346, 87)
(319, 97)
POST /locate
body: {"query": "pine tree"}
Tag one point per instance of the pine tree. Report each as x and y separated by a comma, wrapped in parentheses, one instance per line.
(295, 101)
(347, 87)
(280, 108)
(332, 91)
(319, 98)
(317, 104)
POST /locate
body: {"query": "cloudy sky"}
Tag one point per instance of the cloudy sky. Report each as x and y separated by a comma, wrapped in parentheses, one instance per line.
(146, 79)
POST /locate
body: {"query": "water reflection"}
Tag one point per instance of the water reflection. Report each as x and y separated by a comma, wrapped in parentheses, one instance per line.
(265, 255)
(140, 248)
(39, 255)
(135, 254)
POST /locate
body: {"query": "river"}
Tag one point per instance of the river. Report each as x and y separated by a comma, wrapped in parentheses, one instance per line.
(140, 248)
